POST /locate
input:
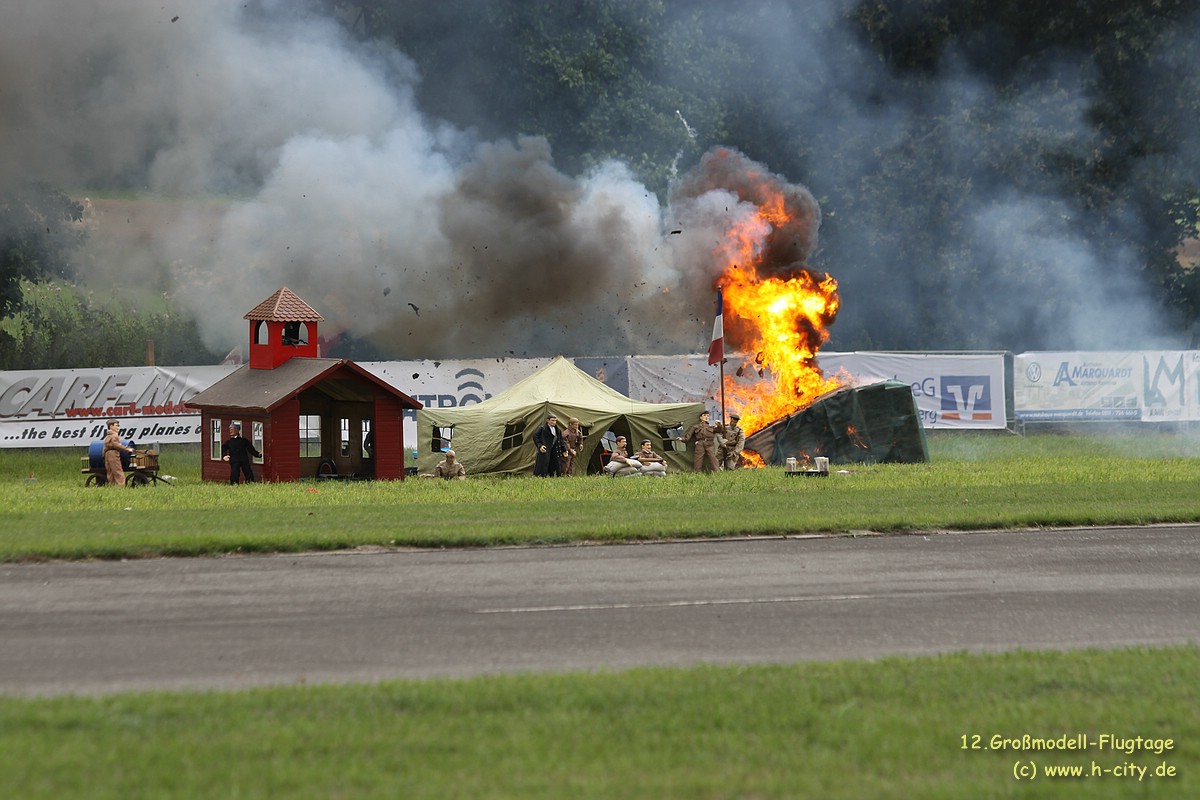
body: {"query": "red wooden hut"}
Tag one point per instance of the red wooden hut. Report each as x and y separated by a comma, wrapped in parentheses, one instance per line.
(308, 416)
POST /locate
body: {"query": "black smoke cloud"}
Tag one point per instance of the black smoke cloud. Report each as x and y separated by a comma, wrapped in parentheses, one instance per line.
(790, 215)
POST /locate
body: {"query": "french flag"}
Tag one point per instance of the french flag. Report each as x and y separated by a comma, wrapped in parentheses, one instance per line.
(716, 349)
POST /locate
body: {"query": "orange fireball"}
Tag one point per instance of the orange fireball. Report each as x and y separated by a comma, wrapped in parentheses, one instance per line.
(779, 319)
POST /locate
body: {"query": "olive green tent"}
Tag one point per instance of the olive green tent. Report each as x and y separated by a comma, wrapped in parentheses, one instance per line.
(496, 436)
(874, 424)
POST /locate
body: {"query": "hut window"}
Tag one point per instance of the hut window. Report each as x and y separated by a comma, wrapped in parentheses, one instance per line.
(345, 440)
(216, 437)
(310, 436)
(368, 440)
(514, 435)
(671, 437)
(441, 439)
(256, 436)
(260, 332)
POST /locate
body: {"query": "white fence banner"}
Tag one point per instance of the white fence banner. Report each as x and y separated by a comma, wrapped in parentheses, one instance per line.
(68, 407)
(1145, 386)
(952, 390)
(674, 379)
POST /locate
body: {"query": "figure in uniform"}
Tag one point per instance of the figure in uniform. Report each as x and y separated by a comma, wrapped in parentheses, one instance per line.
(572, 439)
(733, 441)
(450, 468)
(704, 434)
(619, 463)
(652, 463)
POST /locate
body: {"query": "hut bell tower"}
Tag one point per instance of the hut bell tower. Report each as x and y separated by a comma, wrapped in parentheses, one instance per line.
(281, 327)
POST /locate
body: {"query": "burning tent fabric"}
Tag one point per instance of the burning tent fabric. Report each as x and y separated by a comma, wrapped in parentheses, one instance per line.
(879, 423)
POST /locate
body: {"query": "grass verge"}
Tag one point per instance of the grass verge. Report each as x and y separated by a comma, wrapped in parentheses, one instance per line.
(902, 728)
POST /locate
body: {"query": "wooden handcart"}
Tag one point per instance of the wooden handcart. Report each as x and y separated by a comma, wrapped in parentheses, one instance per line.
(141, 468)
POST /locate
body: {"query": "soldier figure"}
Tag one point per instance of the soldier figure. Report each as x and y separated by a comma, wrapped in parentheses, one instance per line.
(733, 441)
(704, 434)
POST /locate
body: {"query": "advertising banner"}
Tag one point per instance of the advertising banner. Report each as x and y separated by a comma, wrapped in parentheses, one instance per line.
(952, 390)
(449, 384)
(63, 408)
(68, 408)
(1144, 386)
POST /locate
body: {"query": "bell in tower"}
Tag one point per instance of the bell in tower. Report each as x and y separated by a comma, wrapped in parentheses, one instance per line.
(281, 327)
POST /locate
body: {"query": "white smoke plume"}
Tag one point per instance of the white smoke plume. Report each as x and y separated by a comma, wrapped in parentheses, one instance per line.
(304, 162)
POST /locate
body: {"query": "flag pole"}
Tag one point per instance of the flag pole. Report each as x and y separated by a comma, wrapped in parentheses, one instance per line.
(716, 348)
(722, 389)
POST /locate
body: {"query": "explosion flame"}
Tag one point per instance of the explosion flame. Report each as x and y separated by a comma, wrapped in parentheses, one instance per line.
(777, 310)
(787, 322)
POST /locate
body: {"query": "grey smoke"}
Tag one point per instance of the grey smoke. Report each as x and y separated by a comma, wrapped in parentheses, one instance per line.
(306, 162)
(344, 191)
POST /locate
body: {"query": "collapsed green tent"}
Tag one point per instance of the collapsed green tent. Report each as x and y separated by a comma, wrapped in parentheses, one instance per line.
(496, 436)
(873, 424)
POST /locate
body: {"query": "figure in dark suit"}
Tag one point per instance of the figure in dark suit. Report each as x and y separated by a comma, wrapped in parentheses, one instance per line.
(549, 443)
(237, 450)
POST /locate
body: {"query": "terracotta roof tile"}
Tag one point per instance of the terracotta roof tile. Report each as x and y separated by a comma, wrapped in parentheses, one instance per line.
(284, 306)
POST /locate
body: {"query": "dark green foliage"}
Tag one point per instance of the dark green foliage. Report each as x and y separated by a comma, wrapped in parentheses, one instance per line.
(62, 326)
(38, 232)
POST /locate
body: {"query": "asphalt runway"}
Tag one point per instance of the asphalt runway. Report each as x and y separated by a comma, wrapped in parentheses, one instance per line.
(225, 623)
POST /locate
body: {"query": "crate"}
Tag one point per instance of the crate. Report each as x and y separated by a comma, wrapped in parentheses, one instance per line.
(144, 459)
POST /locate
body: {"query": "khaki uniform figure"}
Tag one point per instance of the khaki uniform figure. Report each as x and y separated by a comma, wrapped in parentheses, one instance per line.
(652, 463)
(114, 475)
(572, 437)
(619, 463)
(450, 468)
(733, 442)
(704, 434)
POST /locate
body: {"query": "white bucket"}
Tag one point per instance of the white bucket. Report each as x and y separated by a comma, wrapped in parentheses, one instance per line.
(822, 464)
(791, 465)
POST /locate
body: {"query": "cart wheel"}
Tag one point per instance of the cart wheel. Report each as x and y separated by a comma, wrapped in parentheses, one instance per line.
(136, 479)
(95, 480)
(327, 469)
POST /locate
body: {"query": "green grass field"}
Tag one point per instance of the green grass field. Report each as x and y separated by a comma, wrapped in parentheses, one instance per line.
(973, 481)
(904, 728)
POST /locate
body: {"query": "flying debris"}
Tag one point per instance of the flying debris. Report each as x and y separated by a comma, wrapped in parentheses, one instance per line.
(416, 310)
